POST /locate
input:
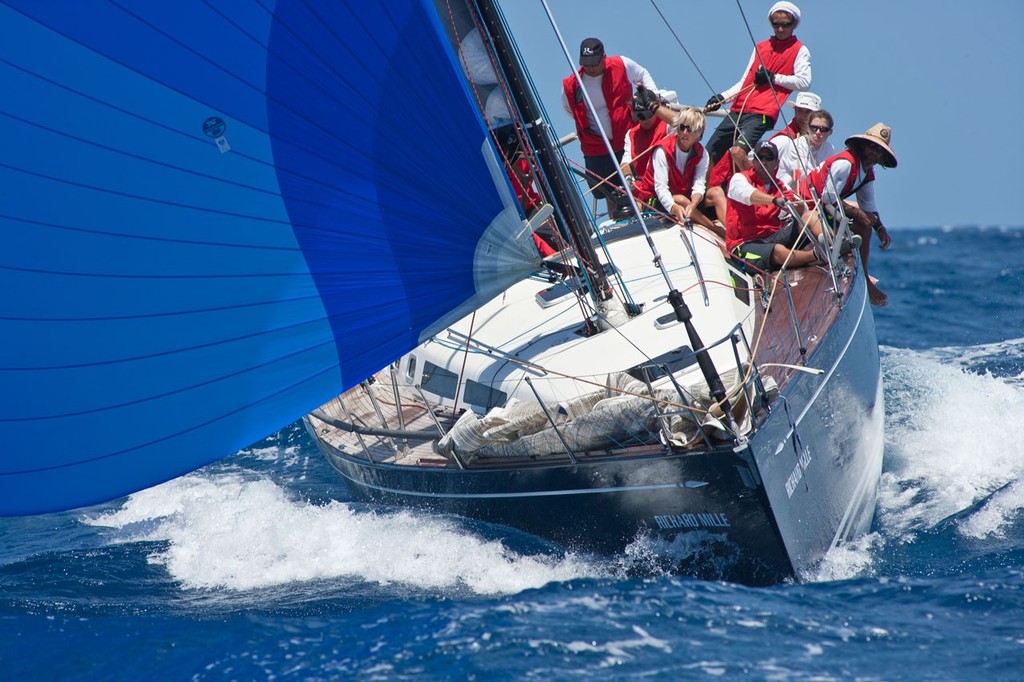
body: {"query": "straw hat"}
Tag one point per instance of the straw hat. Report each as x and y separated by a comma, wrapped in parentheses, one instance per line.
(880, 135)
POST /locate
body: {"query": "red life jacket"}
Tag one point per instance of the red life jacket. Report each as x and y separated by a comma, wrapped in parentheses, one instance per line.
(792, 131)
(678, 182)
(816, 178)
(522, 184)
(642, 140)
(778, 56)
(721, 172)
(746, 223)
(618, 95)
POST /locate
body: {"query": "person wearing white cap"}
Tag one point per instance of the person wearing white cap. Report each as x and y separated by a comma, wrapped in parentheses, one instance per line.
(806, 102)
(777, 67)
(849, 173)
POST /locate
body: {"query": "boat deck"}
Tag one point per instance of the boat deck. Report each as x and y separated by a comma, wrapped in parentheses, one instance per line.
(380, 405)
(816, 307)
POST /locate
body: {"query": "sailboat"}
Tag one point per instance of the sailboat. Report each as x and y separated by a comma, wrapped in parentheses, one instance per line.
(219, 220)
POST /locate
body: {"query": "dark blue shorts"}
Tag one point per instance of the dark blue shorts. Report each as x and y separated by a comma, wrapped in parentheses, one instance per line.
(758, 252)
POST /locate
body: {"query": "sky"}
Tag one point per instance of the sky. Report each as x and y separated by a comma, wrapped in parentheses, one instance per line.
(943, 75)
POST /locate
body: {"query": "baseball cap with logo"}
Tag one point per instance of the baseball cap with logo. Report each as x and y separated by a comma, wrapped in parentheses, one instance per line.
(591, 52)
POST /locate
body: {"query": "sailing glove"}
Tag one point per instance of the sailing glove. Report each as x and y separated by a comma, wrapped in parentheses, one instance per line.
(763, 76)
(647, 98)
(714, 103)
(779, 202)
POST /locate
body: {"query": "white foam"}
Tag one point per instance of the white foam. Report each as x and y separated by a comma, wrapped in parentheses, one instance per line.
(846, 561)
(952, 439)
(227, 532)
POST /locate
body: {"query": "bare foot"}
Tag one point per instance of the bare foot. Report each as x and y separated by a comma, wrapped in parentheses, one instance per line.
(877, 296)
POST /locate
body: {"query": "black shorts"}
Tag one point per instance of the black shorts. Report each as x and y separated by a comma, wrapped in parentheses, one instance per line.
(599, 167)
(758, 252)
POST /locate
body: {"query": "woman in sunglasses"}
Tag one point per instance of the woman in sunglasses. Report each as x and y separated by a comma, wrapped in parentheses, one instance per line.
(755, 230)
(677, 176)
(808, 151)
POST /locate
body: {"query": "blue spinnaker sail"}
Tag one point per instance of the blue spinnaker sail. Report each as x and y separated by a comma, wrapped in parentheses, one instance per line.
(217, 216)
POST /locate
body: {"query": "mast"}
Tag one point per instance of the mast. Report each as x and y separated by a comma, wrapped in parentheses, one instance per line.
(560, 185)
(563, 192)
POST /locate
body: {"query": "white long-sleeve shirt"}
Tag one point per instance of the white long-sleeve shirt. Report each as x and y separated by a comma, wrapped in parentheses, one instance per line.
(838, 174)
(592, 84)
(800, 80)
(660, 165)
(799, 155)
(741, 190)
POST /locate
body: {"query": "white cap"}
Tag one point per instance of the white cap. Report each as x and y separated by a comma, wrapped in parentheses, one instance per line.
(669, 96)
(806, 100)
(787, 7)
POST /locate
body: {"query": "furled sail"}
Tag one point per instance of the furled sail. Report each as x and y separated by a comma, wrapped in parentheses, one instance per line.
(218, 216)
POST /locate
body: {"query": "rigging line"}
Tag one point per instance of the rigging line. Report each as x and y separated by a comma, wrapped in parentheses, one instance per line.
(685, 51)
(592, 112)
(611, 154)
(736, 130)
(753, 41)
(462, 370)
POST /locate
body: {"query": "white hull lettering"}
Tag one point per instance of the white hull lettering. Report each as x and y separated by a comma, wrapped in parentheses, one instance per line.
(701, 520)
(798, 472)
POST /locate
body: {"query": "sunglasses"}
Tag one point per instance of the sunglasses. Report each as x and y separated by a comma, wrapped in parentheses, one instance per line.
(820, 129)
(766, 156)
(683, 127)
(782, 24)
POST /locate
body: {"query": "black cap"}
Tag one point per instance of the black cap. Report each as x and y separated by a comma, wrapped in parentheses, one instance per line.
(591, 52)
(769, 150)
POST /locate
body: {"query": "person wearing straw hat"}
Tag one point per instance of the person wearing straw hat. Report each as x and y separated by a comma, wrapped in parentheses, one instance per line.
(777, 67)
(851, 173)
(608, 82)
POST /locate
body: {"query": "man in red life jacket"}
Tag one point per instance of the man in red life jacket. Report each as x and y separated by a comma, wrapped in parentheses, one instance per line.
(756, 230)
(608, 82)
(679, 166)
(641, 139)
(777, 67)
(738, 159)
(849, 173)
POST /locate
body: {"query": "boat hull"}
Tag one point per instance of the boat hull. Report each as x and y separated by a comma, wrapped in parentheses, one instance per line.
(758, 513)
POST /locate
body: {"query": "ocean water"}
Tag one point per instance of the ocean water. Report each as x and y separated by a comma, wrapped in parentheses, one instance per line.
(259, 568)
